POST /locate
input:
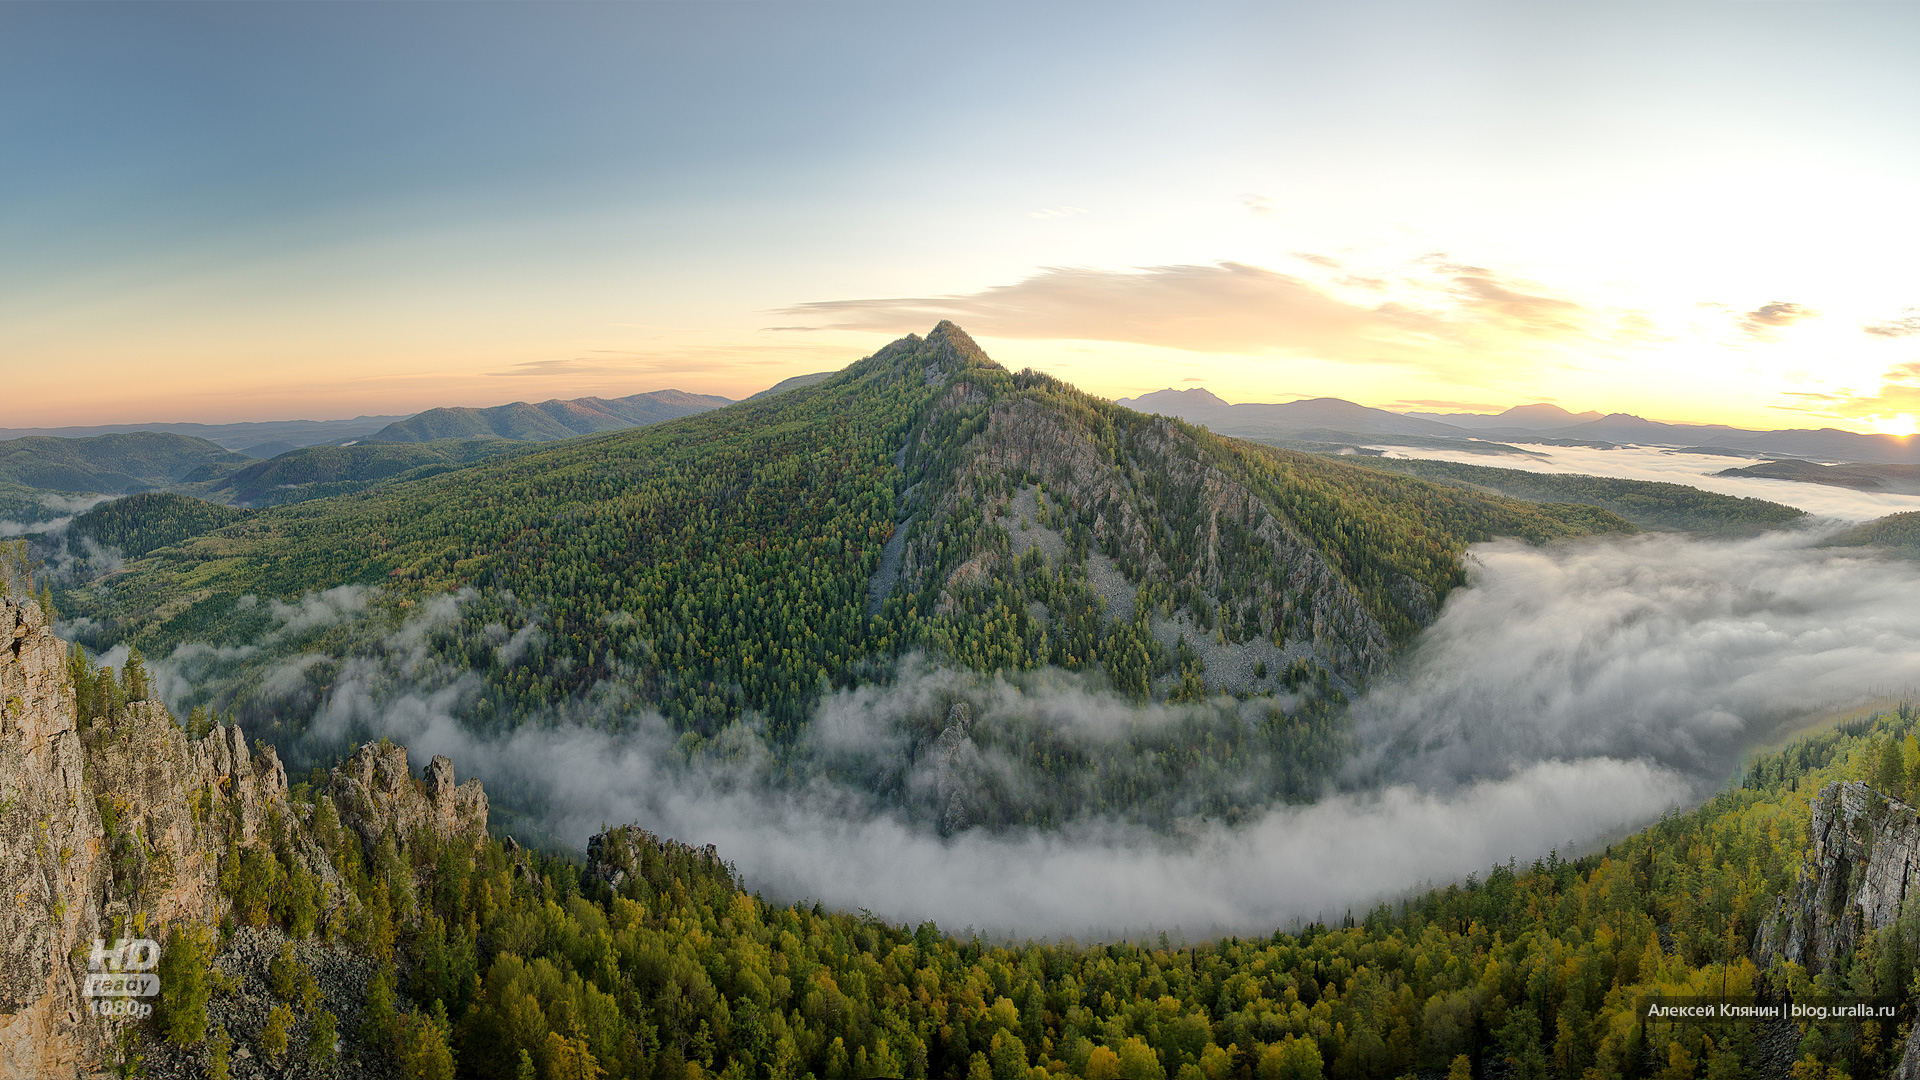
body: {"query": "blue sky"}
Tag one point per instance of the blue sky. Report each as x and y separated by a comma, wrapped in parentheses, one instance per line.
(252, 211)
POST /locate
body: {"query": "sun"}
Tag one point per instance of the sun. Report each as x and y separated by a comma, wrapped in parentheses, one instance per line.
(1903, 424)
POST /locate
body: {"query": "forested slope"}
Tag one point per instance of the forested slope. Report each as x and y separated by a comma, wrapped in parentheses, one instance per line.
(108, 464)
(142, 523)
(316, 472)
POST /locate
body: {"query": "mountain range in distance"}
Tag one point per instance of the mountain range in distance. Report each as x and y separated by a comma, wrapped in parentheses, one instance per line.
(524, 421)
(1335, 420)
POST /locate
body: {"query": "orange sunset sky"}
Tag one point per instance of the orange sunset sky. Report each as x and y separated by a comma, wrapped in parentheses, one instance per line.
(232, 212)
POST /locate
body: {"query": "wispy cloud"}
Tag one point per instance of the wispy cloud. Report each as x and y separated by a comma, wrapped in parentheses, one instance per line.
(1898, 393)
(1907, 325)
(1764, 320)
(1437, 314)
(742, 359)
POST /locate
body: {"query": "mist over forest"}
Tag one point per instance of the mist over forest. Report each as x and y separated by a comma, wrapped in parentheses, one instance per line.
(1564, 696)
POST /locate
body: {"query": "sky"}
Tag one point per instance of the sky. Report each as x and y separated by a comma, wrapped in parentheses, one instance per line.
(1691, 212)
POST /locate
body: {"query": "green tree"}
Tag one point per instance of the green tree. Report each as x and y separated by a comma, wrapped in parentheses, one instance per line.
(321, 1040)
(184, 991)
(1292, 1059)
(1891, 777)
(420, 1048)
(273, 1035)
(218, 1049)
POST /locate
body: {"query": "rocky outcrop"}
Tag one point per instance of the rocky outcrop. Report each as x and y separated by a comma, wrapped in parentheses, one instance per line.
(619, 856)
(117, 828)
(375, 790)
(1862, 859)
(1862, 862)
(52, 858)
(1131, 490)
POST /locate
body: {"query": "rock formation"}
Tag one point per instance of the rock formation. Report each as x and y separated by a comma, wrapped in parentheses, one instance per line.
(1862, 860)
(118, 828)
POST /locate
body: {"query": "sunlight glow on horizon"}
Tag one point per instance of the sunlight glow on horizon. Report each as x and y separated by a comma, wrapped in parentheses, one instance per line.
(1697, 214)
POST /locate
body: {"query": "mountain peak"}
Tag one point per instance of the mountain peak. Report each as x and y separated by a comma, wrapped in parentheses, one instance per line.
(1544, 413)
(1169, 400)
(948, 342)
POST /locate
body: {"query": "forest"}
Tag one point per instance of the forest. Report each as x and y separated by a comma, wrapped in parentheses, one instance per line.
(653, 960)
(139, 524)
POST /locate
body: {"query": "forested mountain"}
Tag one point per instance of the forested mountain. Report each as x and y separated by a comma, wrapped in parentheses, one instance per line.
(1898, 533)
(554, 419)
(319, 471)
(924, 498)
(138, 524)
(108, 464)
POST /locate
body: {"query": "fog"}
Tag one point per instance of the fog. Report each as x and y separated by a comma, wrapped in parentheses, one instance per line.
(1677, 467)
(1566, 694)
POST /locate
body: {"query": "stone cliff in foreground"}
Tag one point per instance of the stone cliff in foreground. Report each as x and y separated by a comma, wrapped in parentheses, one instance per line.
(126, 826)
(1862, 863)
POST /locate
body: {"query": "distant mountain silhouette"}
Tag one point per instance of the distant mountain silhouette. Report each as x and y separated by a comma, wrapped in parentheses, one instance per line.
(1539, 417)
(1293, 419)
(555, 419)
(242, 436)
(794, 383)
(1331, 419)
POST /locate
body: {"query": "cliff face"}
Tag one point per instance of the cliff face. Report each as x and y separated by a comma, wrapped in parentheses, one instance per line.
(52, 861)
(1862, 861)
(119, 829)
(1863, 857)
(1149, 501)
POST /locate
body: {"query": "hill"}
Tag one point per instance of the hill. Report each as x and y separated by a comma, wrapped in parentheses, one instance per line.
(1898, 533)
(1899, 479)
(1308, 419)
(320, 471)
(1646, 503)
(145, 522)
(108, 464)
(24, 506)
(747, 558)
(554, 419)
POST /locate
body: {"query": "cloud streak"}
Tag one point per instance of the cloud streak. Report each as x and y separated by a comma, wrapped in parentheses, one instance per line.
(1439, 312)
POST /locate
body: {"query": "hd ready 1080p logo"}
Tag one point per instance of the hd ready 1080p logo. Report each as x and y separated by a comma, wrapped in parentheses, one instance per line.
(119, 977)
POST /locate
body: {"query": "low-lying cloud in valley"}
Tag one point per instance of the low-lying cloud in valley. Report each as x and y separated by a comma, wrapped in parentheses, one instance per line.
(1568, 693)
